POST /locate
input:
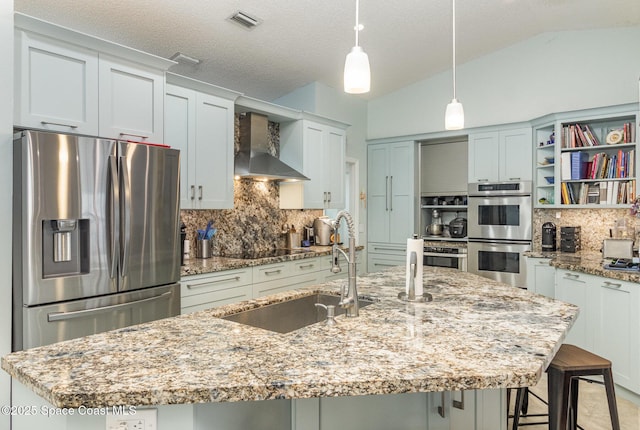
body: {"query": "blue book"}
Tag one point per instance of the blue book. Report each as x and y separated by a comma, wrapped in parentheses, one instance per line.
(579, 162)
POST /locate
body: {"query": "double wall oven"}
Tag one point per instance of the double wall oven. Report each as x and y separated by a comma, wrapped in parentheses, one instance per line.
(499, 230)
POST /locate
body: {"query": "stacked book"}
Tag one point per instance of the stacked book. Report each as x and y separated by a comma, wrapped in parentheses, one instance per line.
(604, 193)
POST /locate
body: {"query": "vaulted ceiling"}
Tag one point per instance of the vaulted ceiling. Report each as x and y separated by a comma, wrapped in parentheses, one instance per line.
(302, 41)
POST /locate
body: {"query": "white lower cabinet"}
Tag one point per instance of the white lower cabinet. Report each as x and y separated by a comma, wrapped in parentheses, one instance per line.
(473, 410)
(382, 256)
(608, 324)
(573, 287)
(200, 292)
(541, 277)
(617, 328)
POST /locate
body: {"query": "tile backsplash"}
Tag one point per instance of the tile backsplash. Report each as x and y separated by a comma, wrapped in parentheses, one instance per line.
(256, 222)
(595, 224)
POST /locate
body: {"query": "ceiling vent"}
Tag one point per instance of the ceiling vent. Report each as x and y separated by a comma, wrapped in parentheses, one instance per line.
(245, 20)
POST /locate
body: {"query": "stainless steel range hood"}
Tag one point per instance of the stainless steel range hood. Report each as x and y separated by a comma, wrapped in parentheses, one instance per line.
(253, 160)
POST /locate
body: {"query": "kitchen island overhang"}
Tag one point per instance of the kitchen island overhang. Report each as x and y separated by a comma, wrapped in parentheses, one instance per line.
(475, 334)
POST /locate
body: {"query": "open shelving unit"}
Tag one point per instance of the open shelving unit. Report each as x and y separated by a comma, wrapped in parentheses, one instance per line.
(603, 175)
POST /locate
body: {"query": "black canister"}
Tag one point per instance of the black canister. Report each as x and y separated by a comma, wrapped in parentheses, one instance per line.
(548, 237)
(183, 236)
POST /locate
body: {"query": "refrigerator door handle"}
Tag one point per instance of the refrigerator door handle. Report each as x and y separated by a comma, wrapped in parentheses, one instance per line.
(64, 316)
(114, 210)
(126, 217)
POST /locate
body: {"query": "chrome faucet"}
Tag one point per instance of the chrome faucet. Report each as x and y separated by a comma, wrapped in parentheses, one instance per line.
(348, 298)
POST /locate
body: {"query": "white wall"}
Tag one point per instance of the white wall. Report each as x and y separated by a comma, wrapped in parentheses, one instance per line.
(552, 72)
(6, 132)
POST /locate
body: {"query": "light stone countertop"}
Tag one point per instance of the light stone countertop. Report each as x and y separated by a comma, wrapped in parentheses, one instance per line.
(199, 266)
(590, 262)
(475, 334)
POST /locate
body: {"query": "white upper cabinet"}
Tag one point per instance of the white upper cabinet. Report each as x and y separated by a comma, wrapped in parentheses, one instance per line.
(71, 82)
(201, 126)
(56, 85)
(131, 101)
(317, 150)
(500, 156)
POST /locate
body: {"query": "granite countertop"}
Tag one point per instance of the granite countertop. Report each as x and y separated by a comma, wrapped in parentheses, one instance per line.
(476, 333)
(590, 262)
(199, 266)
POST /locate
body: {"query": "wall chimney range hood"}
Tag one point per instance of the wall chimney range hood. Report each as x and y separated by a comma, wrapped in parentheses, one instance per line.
(253, 159)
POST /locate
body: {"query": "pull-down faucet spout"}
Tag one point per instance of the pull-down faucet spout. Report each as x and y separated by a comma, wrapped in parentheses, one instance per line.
(348, 298)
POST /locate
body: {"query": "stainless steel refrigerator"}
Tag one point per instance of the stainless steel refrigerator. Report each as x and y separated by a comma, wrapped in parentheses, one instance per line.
(96, 236)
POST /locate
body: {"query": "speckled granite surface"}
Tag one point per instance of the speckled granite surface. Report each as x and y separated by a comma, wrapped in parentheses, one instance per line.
(475, 334)
(586, 262)
(198, 266)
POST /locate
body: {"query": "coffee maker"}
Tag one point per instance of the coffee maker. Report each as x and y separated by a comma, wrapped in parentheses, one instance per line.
(548, 237)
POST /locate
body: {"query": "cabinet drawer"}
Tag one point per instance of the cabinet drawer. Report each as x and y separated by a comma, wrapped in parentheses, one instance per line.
(201, 284)
(213, 299)
(284, 284)
(270, 272)
(308, 265)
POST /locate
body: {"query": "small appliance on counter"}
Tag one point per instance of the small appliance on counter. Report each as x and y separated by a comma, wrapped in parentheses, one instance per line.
(323, 229)
(458, 227)
(436, 228)
(569, 239)
(548, 237)
(617, 248)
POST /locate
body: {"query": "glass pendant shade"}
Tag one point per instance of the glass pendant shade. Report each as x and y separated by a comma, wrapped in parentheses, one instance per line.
(454, 116)
(357, 75)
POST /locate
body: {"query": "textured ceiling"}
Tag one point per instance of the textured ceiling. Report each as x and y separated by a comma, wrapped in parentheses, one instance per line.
(302, 41)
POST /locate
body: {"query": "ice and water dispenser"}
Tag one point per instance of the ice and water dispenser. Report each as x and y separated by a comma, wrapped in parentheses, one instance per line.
(65, 247)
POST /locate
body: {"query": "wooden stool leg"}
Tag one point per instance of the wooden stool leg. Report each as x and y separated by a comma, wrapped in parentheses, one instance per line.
(611, 399)
(573, 407)
(558, 395)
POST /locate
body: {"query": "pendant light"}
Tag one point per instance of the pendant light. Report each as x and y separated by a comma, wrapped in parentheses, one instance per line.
(454, 116)
(357, 76)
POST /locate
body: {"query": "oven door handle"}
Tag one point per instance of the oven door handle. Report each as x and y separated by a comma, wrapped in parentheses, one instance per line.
(501, 242)
(437, 254)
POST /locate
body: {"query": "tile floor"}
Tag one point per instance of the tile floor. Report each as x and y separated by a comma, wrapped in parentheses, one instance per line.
(593, 413)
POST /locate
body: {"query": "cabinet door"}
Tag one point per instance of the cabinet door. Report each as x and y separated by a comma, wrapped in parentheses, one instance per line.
(617, 329)
(179, 131)
(56, 85)
(217, 289)
(484, 157)
(378, 190)
(214, 152)
(401, 191)
(315, 151)
(573, 288)
(131, 101)
(541, 278)
(515, 155)
(335, 167)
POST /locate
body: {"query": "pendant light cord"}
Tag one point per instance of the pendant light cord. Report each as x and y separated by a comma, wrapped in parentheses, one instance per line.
(357, 20)
(454, 48)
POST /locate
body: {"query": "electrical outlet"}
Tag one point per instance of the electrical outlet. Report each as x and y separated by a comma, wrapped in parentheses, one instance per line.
(558, 215)
(138, 419)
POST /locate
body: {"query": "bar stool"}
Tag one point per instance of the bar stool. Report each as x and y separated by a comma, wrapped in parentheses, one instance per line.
(569, 364)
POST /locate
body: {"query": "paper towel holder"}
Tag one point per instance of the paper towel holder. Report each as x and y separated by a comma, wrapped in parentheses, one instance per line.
(425, 297)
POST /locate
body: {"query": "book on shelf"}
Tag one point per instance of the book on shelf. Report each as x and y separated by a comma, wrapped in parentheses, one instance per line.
(579, 162)
(603, 193)
(565, 166)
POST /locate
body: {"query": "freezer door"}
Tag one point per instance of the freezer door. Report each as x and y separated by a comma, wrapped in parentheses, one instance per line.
(61, 249)
(149, 215)
(44, 325)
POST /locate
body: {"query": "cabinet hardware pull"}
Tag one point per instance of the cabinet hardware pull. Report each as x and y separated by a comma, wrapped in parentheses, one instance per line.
(391, 194)
(306, 266)
(204, 284)
(385, 265)
(386, 193)
(483, 180)
(134, 135)
(381, 248)
(458, 404)
(514, 179)
(199, 192)
(611, 285)
(571, 276)
(193, 192)
(329, 193)
(441, 407)
(58, 123)
(271, 272)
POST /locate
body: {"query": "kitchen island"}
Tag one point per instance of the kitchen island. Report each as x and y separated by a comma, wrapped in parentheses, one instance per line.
(476, 334)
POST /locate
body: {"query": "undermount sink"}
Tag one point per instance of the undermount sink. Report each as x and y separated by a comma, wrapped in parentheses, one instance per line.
(285, 317)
